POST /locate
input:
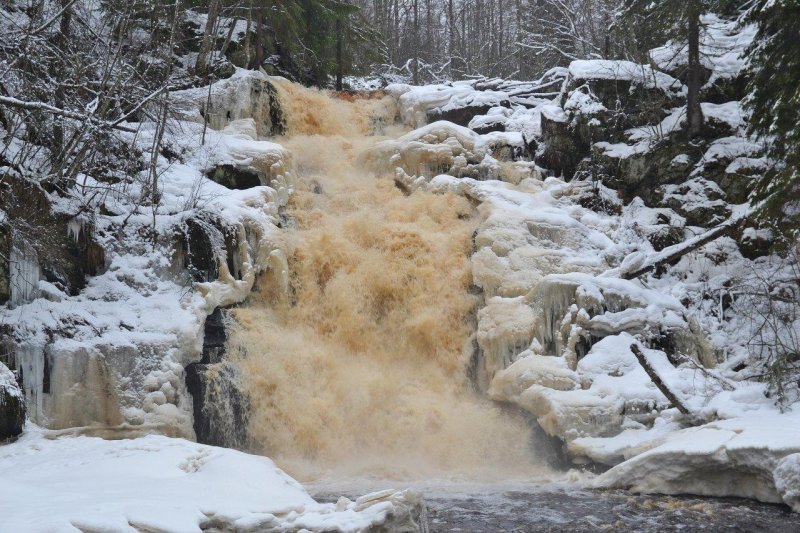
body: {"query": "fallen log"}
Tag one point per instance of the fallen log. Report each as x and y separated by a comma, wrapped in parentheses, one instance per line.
(676, 251)
(673, 399)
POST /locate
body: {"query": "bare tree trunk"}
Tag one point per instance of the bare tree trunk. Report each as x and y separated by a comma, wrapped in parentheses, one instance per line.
(63, 42)
(430, 48)
(247, 37)
(208, 38)
(228, 37)
(451, 42)
(694, 113)
(339, 55)
(501, 30)
(155, 195)
(258, 59)
(396, 26)
(518, 37)
(415, 79)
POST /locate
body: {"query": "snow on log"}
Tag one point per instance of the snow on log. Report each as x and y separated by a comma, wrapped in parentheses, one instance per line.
(642, 358)
(675, 252)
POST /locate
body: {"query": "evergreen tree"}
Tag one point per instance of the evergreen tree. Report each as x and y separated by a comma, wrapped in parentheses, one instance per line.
(774, 102)
(681, 18)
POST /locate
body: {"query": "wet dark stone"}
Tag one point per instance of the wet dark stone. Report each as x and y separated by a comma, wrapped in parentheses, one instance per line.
(202, 243)
(220, 404)
(234, 177)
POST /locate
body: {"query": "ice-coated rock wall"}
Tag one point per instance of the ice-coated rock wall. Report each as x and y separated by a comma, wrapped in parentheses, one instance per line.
(110, 359)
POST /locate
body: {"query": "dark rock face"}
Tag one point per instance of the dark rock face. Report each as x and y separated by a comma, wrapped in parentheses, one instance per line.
(629, 104)
(640, 174)
(234, 177)
(66, 253)
(12, 405)
(463, 115)
(561, 149)
(220, 404)
(201, 243)
(699, 201)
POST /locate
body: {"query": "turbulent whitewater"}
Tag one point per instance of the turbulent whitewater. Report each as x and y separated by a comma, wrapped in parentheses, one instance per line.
(357, 364)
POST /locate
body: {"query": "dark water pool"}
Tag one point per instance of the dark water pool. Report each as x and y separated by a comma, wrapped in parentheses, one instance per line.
(571, 509)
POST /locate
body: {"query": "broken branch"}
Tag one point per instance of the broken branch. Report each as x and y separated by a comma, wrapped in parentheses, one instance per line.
(673, 399)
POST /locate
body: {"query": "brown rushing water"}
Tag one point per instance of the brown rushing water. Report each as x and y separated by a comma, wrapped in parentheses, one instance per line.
(360, 367)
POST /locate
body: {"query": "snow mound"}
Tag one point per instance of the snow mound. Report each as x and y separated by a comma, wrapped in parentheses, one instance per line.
(607, 69)
(157, 483)
(750, 457)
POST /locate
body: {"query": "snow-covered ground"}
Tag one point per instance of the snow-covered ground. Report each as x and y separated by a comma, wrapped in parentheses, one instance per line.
(158, 483)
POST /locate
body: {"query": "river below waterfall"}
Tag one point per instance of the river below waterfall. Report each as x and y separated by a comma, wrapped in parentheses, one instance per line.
(567, 507)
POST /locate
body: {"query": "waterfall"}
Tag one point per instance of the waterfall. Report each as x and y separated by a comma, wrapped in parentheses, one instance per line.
(360, 367)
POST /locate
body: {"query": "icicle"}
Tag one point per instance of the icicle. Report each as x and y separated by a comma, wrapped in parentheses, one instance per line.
(74, 229)
(25, 272)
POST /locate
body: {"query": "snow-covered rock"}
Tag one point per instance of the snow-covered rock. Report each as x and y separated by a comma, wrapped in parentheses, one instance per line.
(750, 457)
(12, 405)
(617, 70)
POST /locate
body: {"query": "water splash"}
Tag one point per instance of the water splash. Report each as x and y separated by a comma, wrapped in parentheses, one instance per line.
(361, 368)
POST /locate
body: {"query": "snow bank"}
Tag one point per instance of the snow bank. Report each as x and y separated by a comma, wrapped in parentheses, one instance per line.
(750, 456)
(156, 483)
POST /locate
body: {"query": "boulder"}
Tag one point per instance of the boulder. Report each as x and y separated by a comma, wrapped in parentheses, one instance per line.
(700, 201)
(463, 115)
(734, 163)
(12, 405)
(638, 170)
(635, 94)
(245, 95)
(561, 149)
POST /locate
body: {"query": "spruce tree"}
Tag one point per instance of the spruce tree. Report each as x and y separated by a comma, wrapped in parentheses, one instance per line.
(774, 102)
(682, 17)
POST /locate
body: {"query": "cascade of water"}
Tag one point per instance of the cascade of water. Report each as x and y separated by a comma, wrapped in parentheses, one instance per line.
(361, 369)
